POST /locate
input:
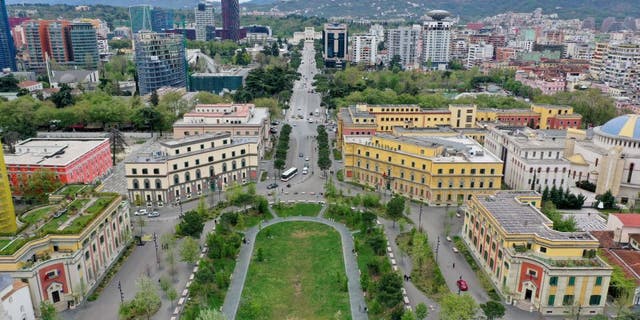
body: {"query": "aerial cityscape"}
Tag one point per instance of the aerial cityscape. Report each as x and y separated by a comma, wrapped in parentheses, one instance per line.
(262, 159)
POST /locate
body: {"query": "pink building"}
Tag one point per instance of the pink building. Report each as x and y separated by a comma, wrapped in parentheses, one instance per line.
(72, 160)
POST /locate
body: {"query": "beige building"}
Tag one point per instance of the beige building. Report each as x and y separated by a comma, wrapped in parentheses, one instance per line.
(190, 167)
(240, 120)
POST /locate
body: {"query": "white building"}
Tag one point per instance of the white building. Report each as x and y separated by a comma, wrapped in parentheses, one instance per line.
(378, 31)
(15, 300)
(204, 14)
(436, 40)
(365, 49)
(533, 159)
(479, 53)
(309, 33)
(403, 42)
(610, 158)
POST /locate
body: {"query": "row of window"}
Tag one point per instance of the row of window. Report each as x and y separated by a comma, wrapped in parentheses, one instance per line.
(553, 281)
(568, 300)
(213, 145)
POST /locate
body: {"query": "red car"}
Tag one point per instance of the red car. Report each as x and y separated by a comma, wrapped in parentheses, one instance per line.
(462, 285)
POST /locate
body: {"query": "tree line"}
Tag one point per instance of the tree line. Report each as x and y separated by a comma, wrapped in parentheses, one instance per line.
(324, 161)
(282, 147)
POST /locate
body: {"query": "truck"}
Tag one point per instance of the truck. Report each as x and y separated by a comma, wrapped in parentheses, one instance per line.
(317, 112)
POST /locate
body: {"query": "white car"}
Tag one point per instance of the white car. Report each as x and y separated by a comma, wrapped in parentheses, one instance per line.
(153, 214)
(141, 212)
(455, 250)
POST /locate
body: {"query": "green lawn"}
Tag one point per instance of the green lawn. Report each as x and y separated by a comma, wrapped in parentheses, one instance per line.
(71, 189)
(301, 276)
(4, 242)
(298, 209)
(36, 215)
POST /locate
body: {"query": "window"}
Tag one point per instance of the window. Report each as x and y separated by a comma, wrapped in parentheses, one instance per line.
(176, 179)
(145, 171)
(473, 171)
(553, 281)
(156, 171)
(532, 273)
(598, 281)
(210, 159)
(175, 167)
(186, 164)
(451, 171)
(481, 171)
(134, 171)
(552, 300)
(567, 300)
(594, 300)
(572, 281)
(197, 162)
(543, 249)
(188, 149)
(439, 171)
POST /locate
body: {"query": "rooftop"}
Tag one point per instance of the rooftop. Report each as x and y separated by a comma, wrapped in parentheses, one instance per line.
(52, 151)
(516, 217)
(628, 219)
(226, 114)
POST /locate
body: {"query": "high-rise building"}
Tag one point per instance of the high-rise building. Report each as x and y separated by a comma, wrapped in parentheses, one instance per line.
(231, 20)
(204, 20)
(161, 19)
(335, 41)
(436, 40)
(84, 45)
(58, 42)
(403, 43)
(160, 61)
(140, 17)
(7, 213)
(7, 48)
(365, 49)
(37, 41)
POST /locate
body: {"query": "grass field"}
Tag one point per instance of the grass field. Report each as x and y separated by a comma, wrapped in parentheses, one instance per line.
(301, 275)
(298, 209)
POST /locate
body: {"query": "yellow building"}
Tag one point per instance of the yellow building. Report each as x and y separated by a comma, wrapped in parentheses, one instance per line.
(7, 213)
(64, 254)
(550, 115)
(440, 170)
(542, 269)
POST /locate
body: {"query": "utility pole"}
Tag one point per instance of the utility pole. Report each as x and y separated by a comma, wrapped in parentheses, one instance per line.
(437, 248)
(155, 242)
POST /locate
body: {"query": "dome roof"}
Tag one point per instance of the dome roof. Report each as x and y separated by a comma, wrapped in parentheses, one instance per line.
(625, 126)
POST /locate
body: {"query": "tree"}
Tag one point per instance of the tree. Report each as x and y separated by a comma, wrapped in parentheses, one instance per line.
(421, 311)
(9, 84)
(39, 185)
(172, 295)
(607, 199)
(457, 307)
(63, 97)
(154, 99)
(48, 311)
(408, 315)
(388, 289)
(190, 250)
(493, 310)
(211, 314)
(191, 225)
(145, 303)
(116, 138)
(395, 208)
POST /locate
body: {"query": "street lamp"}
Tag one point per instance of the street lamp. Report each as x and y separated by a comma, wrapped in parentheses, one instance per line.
(155, 242)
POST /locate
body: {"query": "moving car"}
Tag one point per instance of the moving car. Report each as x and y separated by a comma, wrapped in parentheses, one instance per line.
(154, 214)
(141, 212)
(301, 155)
(306, 159)
(272, 185)
(462, 285)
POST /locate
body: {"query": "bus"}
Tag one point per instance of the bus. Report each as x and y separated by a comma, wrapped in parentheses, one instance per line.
(289, 173)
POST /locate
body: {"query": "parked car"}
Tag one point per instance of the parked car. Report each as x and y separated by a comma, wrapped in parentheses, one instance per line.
(448, 238)
(273, 130)
(272, 186)
(59, 213)
(154, 214)
(306, 159)
(141, 212)
(462, 285)
(455, 250)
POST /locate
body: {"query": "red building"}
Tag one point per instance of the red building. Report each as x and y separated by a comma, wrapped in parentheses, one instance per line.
(72, 160)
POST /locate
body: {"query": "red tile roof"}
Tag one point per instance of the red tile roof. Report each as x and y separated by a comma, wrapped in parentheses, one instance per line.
(27, 83)
(605, 237)
(628, 260)
(628, 219)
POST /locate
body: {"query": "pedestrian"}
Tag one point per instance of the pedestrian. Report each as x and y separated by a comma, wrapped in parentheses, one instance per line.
(454, 265)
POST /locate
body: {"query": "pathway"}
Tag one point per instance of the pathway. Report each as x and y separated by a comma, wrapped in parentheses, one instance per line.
(356, 296)
(78, 214)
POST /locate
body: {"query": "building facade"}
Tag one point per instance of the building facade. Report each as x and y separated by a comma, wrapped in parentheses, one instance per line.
(160, 61)
(84, 45)
(438, 170)
(7, 46)
(533, 159)
(15, 301)
(241, 120)
(335, 41)
(71, 160)
(537, 267)
(608, 158)
(365, 49)
(402, 42)
(63, 265)
(205, 23)
(191, 167)
(436, 41)
(230, 20)
(7, 212)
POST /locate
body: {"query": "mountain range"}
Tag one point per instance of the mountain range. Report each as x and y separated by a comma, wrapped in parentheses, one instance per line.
(409, 9)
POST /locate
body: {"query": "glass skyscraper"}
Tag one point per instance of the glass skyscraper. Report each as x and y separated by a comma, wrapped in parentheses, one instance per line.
(7, 47)
(84, 45)
(160, 61)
